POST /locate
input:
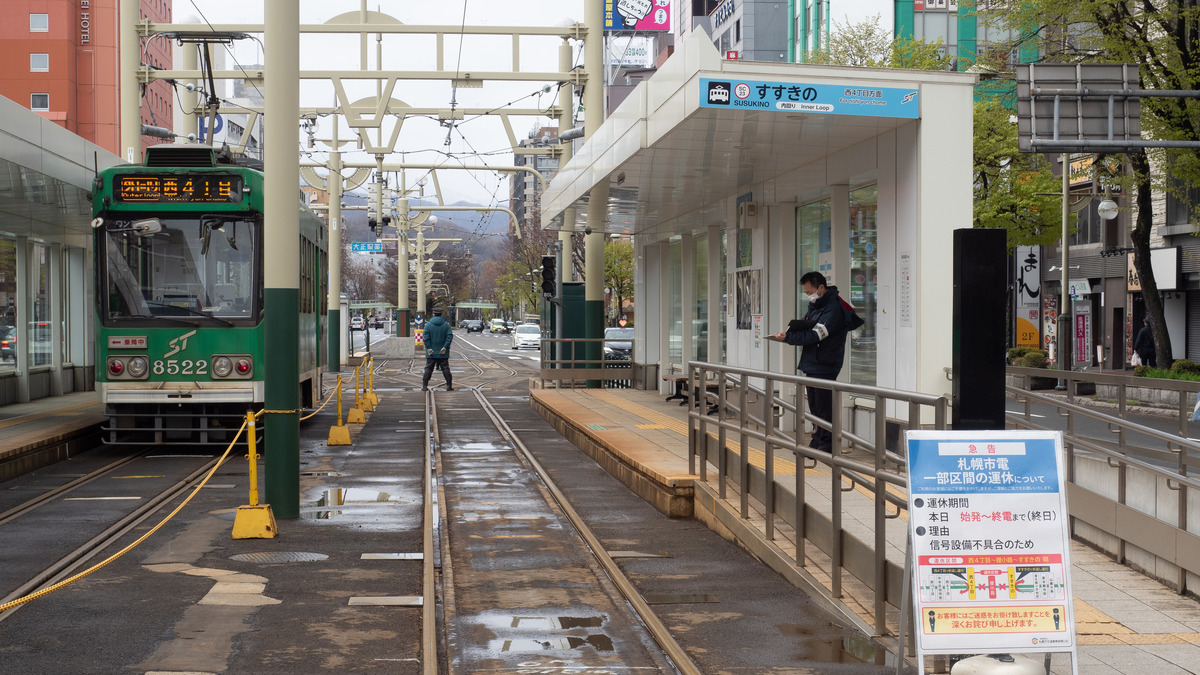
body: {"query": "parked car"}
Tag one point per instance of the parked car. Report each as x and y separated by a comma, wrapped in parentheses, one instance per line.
(618, 344)
(527, 335)
(473, 325)
(357, 323)
(8, 343)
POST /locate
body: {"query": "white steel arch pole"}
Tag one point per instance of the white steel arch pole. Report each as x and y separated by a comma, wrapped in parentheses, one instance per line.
(131, 92)
(593, 244)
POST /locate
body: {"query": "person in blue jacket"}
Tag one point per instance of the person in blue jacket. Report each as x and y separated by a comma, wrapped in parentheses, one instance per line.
(438, 337)
(822, 338)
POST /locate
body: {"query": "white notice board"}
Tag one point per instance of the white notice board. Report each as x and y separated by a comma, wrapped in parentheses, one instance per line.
(991, 543)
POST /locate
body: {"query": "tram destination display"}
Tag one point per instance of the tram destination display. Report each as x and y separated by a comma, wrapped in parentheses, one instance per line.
(178, 189)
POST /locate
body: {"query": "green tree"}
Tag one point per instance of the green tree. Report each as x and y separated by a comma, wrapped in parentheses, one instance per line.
(1163, 38)
(618, 270)
(867, 44)
(1011, 187)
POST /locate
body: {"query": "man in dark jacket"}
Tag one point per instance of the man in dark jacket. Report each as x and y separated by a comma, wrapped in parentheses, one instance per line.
(438, 337)
(822, 337)
(1143, 344)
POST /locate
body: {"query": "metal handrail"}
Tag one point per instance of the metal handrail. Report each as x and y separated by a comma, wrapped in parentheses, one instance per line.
(756, 421)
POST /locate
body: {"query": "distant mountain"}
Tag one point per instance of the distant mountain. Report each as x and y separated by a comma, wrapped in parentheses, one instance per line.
(482, 233)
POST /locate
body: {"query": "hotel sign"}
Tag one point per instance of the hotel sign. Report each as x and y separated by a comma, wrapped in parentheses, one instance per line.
(85, 21)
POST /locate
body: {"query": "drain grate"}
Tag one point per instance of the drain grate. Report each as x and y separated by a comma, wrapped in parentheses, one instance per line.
(279, 557)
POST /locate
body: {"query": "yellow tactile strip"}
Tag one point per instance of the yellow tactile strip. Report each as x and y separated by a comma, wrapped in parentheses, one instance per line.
(1093, 627)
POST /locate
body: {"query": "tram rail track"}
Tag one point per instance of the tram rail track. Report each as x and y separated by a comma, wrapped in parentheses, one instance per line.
(67, 564)
(672, 651)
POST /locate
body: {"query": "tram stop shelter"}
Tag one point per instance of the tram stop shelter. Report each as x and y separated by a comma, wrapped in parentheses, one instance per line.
(734, 178)
(47, 336)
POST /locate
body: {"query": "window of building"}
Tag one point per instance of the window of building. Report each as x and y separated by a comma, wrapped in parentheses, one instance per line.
(1088, 225)
(737, 31)
(1183, 208)
(39, 63)
(39, 101)
(39, 287)
(39, 23)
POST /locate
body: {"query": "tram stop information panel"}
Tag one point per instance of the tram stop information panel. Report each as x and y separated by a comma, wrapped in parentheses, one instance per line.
(991, 546)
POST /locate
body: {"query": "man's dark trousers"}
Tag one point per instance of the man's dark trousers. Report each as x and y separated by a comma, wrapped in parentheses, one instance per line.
(442, 365)
(820, 403)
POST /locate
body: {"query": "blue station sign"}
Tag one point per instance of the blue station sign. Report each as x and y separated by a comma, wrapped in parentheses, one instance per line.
(795, 97)
(366, 246)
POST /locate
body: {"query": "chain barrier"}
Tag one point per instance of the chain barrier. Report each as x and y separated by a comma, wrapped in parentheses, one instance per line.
(66, 582)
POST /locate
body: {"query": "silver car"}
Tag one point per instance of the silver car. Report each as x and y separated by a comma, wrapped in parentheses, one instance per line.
(527, 335)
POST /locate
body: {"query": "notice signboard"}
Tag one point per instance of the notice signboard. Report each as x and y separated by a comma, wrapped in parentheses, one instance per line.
(991, 547)
(366, 246)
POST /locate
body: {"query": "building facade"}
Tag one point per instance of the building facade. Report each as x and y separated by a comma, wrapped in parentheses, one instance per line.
(63, 63)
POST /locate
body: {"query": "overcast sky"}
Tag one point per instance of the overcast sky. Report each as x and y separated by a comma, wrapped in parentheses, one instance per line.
(423, 140)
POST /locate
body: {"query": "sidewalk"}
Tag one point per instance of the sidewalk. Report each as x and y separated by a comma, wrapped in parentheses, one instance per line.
(1125, 622)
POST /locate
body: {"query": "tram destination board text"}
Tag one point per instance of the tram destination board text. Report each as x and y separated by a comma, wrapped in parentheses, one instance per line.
(179, 189)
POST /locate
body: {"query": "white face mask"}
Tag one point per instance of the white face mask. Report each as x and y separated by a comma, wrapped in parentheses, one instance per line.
(812, 297)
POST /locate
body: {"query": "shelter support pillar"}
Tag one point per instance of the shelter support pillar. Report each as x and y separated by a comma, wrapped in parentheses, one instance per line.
(282, 273)
(334, 315)
(130, 90)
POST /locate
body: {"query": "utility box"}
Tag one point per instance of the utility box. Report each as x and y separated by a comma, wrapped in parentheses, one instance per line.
(571, 309)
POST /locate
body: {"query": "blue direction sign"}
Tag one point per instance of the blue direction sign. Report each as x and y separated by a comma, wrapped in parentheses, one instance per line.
(797, 97)
(367, 247)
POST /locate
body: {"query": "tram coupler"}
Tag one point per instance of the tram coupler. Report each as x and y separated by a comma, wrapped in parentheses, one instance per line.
(254, 520)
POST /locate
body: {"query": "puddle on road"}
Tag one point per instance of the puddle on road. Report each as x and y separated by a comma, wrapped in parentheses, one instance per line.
(850, 649)
(342, 497)
(483, 446)
(544, 639)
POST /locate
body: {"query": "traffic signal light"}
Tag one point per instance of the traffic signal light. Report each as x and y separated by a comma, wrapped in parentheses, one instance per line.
(549, 275)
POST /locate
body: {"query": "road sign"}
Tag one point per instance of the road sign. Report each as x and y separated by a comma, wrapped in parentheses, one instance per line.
(367, 247)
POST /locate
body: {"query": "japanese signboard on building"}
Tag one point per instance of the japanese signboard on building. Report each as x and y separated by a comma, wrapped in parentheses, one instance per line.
(633, 15)
(797, 97)
(1028, 297)
(991, 545)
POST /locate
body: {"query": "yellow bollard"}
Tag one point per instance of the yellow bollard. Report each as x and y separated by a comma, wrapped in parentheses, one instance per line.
(356, 415)
(364, 400)
(371, 374)
(339, 434)
(254, 521)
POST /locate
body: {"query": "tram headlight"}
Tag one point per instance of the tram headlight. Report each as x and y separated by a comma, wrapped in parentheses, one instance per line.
(232, 366)
(138, 367)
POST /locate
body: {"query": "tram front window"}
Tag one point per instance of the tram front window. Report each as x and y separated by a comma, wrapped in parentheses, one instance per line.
(203, 269)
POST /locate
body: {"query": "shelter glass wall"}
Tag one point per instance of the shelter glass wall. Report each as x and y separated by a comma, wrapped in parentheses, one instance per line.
(675, 302)
(864, 278)
(724, 313)
(700, 295)
(8, 302)
(38, 335)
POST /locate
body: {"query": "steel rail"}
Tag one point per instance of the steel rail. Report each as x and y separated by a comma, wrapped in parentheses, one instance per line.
(70, 562)
(429, 648)
(658, 630)
(32, 504)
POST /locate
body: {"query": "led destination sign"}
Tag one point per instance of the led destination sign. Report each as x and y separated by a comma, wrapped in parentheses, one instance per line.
(179, 189)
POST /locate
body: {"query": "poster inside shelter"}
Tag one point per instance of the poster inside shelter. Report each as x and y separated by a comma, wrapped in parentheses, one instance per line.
(991, 546)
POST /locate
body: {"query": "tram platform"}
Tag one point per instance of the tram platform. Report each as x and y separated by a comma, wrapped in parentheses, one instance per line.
(1126, 622)
(47, 430)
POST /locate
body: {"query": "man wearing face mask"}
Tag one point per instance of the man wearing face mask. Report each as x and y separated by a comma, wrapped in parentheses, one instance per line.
(822, 338)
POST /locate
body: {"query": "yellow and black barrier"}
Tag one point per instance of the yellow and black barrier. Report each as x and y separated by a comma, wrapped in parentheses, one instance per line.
(254, 520)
